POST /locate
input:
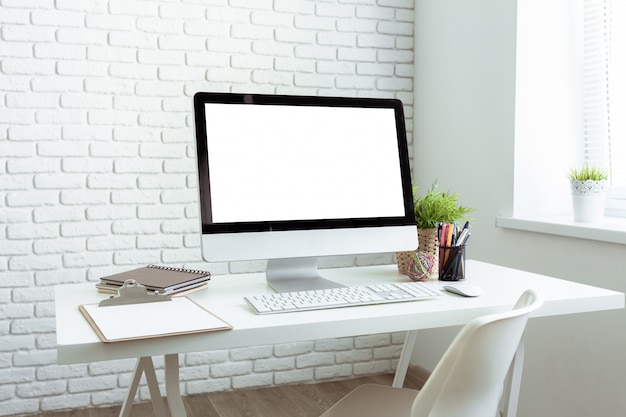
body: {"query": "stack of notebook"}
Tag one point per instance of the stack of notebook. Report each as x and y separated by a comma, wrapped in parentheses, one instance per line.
(158, 279)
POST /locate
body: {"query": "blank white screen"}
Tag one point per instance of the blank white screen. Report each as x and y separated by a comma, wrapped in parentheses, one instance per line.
(275, 163)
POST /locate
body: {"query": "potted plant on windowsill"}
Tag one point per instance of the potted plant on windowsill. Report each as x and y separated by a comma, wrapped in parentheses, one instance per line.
(435, 207)
(588, 186)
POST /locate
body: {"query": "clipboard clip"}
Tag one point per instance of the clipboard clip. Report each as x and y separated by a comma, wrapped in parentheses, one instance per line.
(133, 293)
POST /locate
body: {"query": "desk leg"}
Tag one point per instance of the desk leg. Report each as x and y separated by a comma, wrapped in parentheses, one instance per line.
(405, 358)
(172, 386)
(512, 384)
(144, 365)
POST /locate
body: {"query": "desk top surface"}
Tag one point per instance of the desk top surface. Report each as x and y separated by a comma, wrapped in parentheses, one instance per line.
(77, 342)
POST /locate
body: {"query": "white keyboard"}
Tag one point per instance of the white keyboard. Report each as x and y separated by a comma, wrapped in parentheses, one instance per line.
(341, 297)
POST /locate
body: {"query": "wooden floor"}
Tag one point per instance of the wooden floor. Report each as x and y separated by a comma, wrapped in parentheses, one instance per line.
(306, 400)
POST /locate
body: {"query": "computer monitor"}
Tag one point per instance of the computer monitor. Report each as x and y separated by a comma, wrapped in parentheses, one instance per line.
(289, 179)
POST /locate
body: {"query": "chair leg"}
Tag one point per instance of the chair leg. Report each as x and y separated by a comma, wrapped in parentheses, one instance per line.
(512, 383)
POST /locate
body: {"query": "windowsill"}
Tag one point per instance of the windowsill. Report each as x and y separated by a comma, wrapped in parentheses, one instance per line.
(611, 229)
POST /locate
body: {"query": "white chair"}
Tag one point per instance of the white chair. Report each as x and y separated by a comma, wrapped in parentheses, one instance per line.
(467, 381)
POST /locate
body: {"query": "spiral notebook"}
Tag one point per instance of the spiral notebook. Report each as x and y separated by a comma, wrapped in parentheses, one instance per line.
(159, 278)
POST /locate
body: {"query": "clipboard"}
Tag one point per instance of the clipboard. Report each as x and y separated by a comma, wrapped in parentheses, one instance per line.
(136, 314)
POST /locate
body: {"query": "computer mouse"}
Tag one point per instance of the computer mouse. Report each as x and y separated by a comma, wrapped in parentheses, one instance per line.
(466, 290)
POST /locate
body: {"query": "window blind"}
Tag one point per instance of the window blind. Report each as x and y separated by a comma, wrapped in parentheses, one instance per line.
(604, 88)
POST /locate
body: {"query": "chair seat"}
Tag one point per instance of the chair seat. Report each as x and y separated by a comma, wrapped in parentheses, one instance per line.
(373, 400)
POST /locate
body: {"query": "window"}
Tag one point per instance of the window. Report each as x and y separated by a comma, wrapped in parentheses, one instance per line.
(604, 94)
(552, 130)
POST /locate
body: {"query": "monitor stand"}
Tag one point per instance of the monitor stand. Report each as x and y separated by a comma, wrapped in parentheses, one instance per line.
(296, 274)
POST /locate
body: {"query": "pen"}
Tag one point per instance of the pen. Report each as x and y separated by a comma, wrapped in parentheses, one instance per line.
(443, 236)
(449, 235)
(454, 232)
(465, 234)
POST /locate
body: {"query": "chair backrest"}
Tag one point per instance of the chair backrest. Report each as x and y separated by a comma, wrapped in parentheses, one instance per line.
(468, 380)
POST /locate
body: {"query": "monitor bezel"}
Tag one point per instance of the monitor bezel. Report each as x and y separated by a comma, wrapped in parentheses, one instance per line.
(208, 227)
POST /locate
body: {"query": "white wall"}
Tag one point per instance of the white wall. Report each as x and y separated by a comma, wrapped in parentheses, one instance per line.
(97, 167)
(465, 107)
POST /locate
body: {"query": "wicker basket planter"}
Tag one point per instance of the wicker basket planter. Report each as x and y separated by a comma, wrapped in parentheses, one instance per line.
(429, 243)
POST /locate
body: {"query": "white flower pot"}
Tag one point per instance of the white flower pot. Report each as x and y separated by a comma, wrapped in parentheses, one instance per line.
(588, 200)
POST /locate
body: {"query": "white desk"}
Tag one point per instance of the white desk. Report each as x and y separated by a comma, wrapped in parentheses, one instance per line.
(78, 343)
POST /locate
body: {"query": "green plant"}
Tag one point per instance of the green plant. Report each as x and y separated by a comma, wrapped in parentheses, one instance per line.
(588, 173)
(437, 206)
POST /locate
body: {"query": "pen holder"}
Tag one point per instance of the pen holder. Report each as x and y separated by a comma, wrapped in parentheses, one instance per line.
(452, 263)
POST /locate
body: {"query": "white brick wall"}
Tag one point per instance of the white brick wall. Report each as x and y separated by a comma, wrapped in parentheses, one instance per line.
(97, 172)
